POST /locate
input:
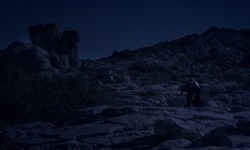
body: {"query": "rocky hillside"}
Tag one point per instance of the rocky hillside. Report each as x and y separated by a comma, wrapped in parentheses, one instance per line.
(131, 100)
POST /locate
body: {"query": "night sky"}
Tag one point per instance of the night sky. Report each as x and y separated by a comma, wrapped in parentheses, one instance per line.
(108, 25)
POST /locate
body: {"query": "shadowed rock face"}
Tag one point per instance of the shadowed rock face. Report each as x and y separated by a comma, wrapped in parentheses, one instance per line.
(49, 49)
(216, 137)
(49, 38)
(26, 56)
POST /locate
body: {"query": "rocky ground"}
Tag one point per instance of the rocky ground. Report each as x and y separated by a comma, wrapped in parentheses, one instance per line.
(148, 122)
(147, 111)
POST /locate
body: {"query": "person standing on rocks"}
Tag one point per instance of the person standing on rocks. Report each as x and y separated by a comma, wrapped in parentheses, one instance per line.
(197, 95)
(193, 93)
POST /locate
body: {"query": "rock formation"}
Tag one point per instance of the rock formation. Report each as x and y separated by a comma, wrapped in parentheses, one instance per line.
(49, 49)
(26, 56)
(49, 38)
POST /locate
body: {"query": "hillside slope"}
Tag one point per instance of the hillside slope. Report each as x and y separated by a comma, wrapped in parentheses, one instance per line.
(131, 100)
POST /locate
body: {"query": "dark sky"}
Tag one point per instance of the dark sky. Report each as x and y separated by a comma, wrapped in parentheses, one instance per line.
(108, 25)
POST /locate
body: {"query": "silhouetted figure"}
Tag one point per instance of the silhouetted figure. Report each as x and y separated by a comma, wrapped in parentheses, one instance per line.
(197, 95)
(193, 93)
(188, 88)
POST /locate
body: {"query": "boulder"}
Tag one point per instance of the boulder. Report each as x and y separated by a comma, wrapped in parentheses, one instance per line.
(230, 86)
(240, 141)
(213, 88)
(73, 74)
(37, 33)
(158, 100)
(51, 32)
(71, 49)
(155, 87)
(49, 48)
(72, 144)
(91, 111)
(241, 97)
(172, 128)
(205, 88)
(57, 74)
(10, 56)
(216, 137)
(210, 103)
(32, 142)
(108, 79)
(225, 98)
(216, 118)
(49, 38)
(35, 59)
(115, 112)
(244, 121)
(216, 88)
(26, 56)
(60, 61)
(19, 132)
(177, 101)
(132, 86)
(171, 144)
(121, 78)
(71, 35)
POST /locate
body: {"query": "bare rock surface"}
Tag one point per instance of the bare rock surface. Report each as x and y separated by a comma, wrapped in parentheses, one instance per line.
(133, 127)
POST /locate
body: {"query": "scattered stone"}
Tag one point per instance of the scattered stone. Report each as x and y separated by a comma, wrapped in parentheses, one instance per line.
(244, 121)
(172, 128)
(216, 88)
(114, 112)
(29, 142)
(108, 79)
(241, 97)
(132, 86)
(121, 78)
(216, 137)
(240, 141)
(91, 111)
(156, 87)
(177, 101)
(210, 104)
(173, 144)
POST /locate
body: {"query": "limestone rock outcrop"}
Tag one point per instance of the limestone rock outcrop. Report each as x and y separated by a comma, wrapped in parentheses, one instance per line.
(49, 49)
(26, 56)
(49, 38)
